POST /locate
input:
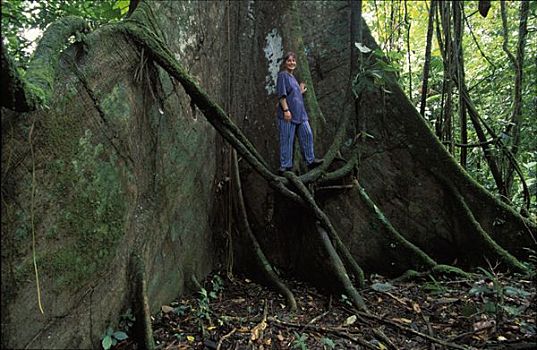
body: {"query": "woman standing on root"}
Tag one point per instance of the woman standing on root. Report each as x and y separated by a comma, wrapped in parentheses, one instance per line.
(293, 118)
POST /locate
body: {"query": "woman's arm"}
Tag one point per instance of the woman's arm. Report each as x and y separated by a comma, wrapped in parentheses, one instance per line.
(286, 113)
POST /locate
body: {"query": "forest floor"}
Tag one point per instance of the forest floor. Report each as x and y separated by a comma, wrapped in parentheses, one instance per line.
(492, 311)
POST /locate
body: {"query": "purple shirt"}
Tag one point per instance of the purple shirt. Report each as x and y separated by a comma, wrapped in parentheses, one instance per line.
(288, 87)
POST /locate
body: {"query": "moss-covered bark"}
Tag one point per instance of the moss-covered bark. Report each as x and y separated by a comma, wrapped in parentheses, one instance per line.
(128, 162)
(26, 93)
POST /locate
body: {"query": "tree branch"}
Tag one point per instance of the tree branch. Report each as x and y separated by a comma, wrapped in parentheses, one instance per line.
(25, 94)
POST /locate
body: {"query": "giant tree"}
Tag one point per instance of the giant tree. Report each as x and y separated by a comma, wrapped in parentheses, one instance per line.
(143, 155)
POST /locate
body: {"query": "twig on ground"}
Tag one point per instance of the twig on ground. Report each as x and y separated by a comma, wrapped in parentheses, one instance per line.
(322, 329)
(379, 333)
(224, 337)
(411, 331)
(313, 320)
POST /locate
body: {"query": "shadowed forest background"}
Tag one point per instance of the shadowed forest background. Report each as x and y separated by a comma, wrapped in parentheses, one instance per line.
(139, 157)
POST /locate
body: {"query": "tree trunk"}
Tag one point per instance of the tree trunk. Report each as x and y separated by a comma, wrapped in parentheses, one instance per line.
(131, 181)
(427, 63)
(459, 63)
(514, 127)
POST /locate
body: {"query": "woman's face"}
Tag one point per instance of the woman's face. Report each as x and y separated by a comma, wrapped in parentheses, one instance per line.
(290, 63)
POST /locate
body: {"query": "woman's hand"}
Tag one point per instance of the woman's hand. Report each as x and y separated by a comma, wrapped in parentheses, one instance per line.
(303, 88)
(287, 116)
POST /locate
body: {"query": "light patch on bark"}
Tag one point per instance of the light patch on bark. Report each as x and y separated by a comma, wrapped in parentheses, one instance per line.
(273, 53)
(251, 10)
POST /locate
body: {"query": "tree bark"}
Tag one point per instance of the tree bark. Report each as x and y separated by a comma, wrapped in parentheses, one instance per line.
(128, 164)
(427, 63)
(513, 129)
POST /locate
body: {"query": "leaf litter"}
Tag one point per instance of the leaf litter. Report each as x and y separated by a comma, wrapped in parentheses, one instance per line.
(428, 313)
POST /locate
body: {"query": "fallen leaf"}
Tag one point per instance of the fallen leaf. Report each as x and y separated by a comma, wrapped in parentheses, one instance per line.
(257, 331)
(382, 287)
(416, 308)
(485, 324)
(190, 338)
(350, 320)
(280, 337)
(166, 309)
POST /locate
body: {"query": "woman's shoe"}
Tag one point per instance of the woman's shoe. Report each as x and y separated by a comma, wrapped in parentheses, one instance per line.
(316, 162)
(283, 170)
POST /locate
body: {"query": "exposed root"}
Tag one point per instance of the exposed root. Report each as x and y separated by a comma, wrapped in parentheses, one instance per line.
(339, 269)
(488, 243)
(261, 259)
(343, 171)
(351, 263)
(423, 258)
(140, 308)
(25, 94)
(449, 270)
(438, 270)
(426, 260)
(412, 331)
(214, 114)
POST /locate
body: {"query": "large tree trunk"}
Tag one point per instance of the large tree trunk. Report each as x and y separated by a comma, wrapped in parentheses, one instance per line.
(148, 204)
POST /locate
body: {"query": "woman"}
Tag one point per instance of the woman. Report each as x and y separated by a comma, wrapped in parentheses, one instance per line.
(292, 117)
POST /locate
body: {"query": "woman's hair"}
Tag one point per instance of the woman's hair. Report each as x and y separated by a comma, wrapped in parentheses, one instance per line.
(289, 54)
(286, 57)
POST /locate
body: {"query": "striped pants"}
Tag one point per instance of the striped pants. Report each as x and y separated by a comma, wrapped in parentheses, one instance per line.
(287, 138)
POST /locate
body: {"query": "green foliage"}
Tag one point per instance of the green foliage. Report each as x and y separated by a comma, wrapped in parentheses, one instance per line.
(495, 296)
(20, 18)
(489, 75)
(345, 299)
(328, 343)
(434, 287)
(111, 338)
(300, 341)
(382, 287)
(374, 72)
(217, 285)
(203, 310)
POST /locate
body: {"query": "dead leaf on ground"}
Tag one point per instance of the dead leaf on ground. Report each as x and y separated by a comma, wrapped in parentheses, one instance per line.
(166, 309)
(416, 307)
(350, 320)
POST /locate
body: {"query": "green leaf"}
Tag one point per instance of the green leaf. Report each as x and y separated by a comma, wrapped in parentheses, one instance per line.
(512, 291)
(119, 335)
(122, 5)
(382, 287)
(490, 307)
(481, 289)
(511, 310)
(329, 343)
(107, 342)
